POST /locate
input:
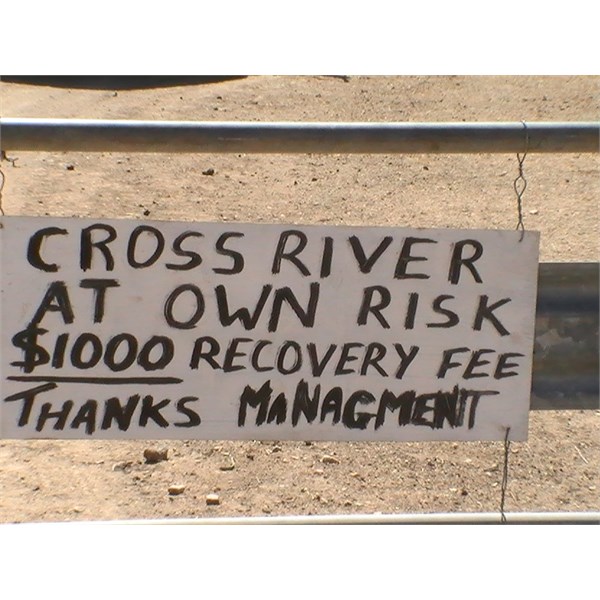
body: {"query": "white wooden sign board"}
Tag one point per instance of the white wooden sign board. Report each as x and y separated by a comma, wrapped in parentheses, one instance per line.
(120, 329)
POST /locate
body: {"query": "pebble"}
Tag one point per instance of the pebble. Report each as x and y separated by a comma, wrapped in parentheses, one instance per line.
(122, 466)
(330, 460)
(155, 455)
(210, 171)
(70, 167)
(213, 499)
(175, 490)
(535, 211)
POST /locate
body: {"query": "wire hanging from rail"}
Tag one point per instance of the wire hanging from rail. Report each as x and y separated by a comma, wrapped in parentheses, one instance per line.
(520, 184)
(504, 484)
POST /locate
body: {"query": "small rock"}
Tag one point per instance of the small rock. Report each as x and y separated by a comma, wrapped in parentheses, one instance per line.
(175, 490)
(155, 455)
(146, 212)
(534, 211)
(425, 168)
(122, 466)
(318, 471)
(210, 171)
(213, 499)
(230, 466)
(464, 492)
(250, 455)
(70, 167)
(330, 460)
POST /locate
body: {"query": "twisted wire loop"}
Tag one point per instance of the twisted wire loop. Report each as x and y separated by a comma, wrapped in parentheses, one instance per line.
(520, 184)
(2, 178)
(504, 476)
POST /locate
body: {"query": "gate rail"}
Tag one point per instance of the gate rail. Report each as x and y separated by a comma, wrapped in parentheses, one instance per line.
(80, 135)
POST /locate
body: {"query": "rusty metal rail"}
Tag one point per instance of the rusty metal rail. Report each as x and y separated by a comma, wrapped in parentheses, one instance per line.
(566, 353)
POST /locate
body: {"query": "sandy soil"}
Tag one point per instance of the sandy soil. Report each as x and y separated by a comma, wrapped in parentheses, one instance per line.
(555, 470)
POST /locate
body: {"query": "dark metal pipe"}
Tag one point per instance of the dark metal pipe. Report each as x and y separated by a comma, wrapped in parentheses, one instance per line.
(76, 135)
(565, 359)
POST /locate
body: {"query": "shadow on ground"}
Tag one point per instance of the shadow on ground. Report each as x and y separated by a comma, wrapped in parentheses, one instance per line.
(117, 82)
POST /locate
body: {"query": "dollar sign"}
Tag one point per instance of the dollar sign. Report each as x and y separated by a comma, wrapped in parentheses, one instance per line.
(33, 353)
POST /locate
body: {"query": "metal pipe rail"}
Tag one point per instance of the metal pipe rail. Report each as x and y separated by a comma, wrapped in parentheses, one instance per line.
(78, 135)
(565, 360)
(525, 518)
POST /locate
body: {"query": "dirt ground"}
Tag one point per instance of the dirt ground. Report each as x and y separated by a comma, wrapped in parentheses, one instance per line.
(555, 470)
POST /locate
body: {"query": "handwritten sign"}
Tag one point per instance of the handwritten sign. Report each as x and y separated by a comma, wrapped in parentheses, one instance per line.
(118, 329)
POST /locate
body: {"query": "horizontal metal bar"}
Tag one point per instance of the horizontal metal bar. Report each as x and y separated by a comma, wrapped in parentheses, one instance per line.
(75, 135)
(525, 518)
(565, 360)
